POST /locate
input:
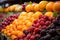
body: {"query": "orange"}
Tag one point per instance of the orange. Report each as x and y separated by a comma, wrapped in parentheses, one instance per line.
(19, 34)
(49, 6)
(49, 14)
(42, 5)
(7, 9)
(36, 15)
(13, 37)
(56, 6)
(29, 8)
(36, 7)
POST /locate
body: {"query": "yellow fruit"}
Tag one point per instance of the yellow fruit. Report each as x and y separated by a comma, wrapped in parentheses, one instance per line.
(24, 28)
(29, 8)
(19, 34)
(18, 8)
(23, 14)
(36, 7)
(36, 15)
(49, 6)
(13, 37)
(50, 14)
(56, 6)
(29, 24)
(42, 5)
(30, 14)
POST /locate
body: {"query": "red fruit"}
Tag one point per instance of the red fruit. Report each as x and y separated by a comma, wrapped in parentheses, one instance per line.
(31, 28)
(37, 35)
(47, 23)
(33, 25)
(34, 33)
(42, 23)
(23, 6)
(28, 36)
(40, 27)
(25, 38)
(44, 27)
(45, 17)
(20, 39)
(42, 19)
(37, 25)
(41, 16)
(36, 30)
(35, 21)
(50, 19)
(32, 37)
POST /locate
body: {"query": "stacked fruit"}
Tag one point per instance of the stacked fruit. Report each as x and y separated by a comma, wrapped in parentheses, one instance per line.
(41, 6)
(8, 20)
(37, 29)
(23, 22)
(15, 8)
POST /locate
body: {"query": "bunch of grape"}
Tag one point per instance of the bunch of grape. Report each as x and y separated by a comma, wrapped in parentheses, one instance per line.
(8, 20)
(38, 30)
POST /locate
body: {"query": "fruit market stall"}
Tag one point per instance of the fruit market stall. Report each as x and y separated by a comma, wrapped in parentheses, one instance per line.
(30, 21)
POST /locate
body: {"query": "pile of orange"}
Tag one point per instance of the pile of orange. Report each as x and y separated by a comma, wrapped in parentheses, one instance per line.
(49, 6)
(23, 22)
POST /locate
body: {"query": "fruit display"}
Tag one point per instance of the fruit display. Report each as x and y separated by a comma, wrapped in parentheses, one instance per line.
(37, 29)
(41, 6)
(31, 21)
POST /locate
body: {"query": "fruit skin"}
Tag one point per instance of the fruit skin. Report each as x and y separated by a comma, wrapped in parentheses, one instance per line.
(42, 5)
(11, 8)
(50, 14)
(49, 6)
(56, 6)
(29, 7)
(18, 8)
(36, 8)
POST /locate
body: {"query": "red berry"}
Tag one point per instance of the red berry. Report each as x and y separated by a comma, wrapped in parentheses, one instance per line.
(37, 35)
(40, 27)
(47, 23)
(42, 19)
(41, 16)
(44, 27)
(32, 37)
(31, 28)
(25, 38)
(36, 30)
(37, 25)
(28, 36)
(23, 6)
(35, 21)
(42, 23)
(33, 25)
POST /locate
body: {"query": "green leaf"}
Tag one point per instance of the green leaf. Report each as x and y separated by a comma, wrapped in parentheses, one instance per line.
(55, 14)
